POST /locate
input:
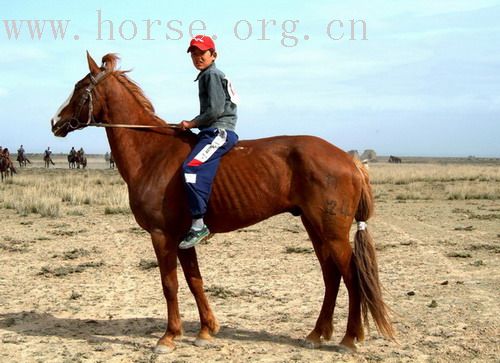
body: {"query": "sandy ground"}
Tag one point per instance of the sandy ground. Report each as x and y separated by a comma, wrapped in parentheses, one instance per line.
(85, 289)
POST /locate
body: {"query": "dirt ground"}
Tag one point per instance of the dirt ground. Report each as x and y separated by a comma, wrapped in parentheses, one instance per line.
(85, 288)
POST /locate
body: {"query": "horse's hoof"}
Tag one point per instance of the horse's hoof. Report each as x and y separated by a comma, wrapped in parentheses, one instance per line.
(163, 349)
(203, 342)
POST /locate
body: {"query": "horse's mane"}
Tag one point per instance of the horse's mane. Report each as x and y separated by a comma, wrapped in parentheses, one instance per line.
(109, 62)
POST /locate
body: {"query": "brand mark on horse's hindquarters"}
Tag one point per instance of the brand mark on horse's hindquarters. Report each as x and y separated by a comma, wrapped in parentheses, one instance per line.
(330, 207)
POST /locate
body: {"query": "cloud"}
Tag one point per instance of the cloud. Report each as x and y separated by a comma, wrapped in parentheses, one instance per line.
(3, 92)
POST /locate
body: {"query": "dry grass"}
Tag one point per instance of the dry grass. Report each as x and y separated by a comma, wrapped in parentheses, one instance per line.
(64, 192)
(471, 190)
(436, 181)
(57, 192)
(385, 173)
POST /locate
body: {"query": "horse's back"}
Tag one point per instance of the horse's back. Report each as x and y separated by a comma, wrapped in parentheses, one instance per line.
(301, 151)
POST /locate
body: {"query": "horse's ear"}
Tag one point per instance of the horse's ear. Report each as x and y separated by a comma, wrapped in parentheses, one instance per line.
(93, 67)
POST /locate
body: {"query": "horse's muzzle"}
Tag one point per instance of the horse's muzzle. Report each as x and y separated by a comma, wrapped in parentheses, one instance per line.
(59, 128)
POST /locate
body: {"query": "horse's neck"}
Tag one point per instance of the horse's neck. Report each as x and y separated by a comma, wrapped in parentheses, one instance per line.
(131, 148)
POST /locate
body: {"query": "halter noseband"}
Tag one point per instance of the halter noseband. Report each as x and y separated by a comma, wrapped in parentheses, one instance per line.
(74, 122)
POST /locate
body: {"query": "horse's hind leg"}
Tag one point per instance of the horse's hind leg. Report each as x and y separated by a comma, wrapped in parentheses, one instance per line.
(331, 278)
(344, 258)
(209, 324)
(336, 250)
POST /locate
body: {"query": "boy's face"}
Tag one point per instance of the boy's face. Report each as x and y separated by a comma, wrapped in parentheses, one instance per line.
(202, 59)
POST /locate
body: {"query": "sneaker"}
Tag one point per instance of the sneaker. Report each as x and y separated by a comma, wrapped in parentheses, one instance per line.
(194, 237)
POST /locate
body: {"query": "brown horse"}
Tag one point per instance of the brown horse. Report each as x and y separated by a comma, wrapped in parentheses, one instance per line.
(6, 167)
(109, 159)
(3, 167)
(72, 161)
(48, 160)
(394, 159)
(303, 175)
(81, 160)
(23, 160)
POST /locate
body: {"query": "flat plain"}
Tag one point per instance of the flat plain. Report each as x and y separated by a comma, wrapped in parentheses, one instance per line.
(79, 281)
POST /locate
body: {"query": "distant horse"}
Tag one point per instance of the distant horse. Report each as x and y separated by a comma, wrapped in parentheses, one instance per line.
(72, 161)
(394, 159)
(6, 167)
(111, 161)
(81, 160)
(3, 167)
(23, 160)
(257, 179)
(106, 158)
(48, 160)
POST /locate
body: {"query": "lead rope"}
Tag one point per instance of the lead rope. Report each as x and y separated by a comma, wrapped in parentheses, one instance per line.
(99, 124)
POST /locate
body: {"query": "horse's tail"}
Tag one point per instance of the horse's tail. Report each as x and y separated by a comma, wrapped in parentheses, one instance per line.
(366, 262)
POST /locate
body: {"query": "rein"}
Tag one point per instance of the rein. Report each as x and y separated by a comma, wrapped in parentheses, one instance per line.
(100, 124)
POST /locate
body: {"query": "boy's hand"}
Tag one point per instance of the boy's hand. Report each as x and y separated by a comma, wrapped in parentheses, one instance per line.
(186, 125)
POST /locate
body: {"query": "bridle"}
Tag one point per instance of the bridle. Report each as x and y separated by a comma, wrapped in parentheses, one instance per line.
(74, 122)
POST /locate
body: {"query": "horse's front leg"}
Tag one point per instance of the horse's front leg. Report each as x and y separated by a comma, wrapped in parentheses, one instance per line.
(209, 324)
(166, 253)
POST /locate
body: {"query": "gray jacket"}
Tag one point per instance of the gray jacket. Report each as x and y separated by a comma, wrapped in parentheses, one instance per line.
(217, 100)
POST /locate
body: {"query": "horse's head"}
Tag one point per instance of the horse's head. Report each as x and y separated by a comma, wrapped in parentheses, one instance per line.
(85, 104)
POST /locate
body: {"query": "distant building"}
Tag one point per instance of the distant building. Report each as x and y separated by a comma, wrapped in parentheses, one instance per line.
(354, 153)
(369, 155)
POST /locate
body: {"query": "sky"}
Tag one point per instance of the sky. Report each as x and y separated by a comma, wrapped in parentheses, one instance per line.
(413, 78)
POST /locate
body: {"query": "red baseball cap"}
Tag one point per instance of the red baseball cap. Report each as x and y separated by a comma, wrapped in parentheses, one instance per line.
(202, 42)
